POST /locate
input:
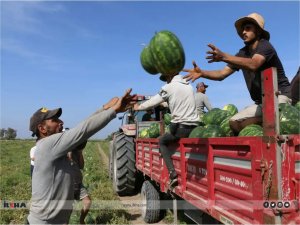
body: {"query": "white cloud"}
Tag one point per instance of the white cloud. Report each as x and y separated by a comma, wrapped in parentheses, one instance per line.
(24, 16)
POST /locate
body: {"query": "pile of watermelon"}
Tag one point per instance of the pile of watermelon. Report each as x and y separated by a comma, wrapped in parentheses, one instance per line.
(151, 132)
(164, 55)
(215, 123)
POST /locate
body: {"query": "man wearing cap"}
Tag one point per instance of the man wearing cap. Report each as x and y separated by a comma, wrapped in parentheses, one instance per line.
(52, 180)
(201, 98)
(257, 55)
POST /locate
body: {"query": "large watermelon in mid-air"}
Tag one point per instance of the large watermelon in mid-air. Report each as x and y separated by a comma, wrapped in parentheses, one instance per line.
(147, 61)
(167, 53)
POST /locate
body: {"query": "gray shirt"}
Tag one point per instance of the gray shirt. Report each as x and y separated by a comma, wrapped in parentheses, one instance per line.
(52, 181)
(181, 100)
(201, 102)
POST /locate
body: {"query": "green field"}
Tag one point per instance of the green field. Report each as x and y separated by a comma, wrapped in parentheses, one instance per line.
(16, 183)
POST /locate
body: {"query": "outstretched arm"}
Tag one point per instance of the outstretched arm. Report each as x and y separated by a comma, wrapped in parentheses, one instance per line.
(216, 55)
(196, 72)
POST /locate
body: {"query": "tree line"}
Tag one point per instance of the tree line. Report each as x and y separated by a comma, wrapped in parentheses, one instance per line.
(8, 134)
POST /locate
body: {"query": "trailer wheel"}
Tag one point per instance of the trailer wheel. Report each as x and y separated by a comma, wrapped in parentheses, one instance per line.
(151, 203)
(124, 171)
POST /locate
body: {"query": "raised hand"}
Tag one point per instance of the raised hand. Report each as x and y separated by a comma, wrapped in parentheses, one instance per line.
(125, 102)
(193, 74)
(215, 54)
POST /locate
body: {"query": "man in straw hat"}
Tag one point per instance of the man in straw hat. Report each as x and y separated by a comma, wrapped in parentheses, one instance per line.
(52, 181)
(257, 55)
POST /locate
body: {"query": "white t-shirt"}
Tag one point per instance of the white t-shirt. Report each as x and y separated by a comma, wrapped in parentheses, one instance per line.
(180, 97)
(32, 150)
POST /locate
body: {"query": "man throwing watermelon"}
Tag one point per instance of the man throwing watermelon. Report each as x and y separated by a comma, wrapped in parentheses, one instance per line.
(257, 55)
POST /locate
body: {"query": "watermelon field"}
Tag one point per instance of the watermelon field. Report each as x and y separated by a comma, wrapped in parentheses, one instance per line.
(16, 183)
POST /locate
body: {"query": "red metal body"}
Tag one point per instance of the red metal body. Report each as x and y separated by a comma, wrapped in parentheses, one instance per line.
(236, 180)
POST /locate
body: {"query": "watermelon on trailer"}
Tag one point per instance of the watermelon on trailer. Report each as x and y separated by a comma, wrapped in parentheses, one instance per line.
(167, 118)
(167, 129)
(231, 108)
(212, 130)
(252, 130)
(225, 127)
(147, 61)
(215, 116)
(167, 52)
(153, 130)
(144, 133)
(297, 105)
(197, 132)
(289, 119)
(206, 132)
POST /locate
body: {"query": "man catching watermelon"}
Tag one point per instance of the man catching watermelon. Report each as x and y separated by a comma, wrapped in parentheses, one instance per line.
(257, 55)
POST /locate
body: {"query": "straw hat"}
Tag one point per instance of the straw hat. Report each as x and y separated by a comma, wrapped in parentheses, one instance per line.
(254, 18)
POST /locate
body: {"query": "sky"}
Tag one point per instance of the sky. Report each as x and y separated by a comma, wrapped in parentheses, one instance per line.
(77, 55)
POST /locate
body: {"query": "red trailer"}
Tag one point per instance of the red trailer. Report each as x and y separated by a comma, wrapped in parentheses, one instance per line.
(235, 180)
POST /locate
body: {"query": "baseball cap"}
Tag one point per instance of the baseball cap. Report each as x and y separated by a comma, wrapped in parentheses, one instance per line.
(201, 84)
(40, 115)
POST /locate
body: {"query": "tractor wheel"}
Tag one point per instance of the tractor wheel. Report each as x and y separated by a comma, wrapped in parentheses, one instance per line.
(110, 164)
(151, 212)
(124, 171)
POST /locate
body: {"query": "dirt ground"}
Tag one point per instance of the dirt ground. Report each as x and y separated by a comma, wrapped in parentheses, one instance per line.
(135, 212)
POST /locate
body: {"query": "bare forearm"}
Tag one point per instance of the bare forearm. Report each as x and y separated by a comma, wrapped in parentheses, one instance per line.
(242, 63)
(213, 74)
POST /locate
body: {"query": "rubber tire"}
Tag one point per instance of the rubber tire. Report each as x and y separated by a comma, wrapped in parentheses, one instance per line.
(110, 164)
(124, 170)
(151, 212)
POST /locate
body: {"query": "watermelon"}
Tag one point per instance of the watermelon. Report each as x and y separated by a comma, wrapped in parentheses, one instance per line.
(225, 127)
(197, 132)
(215, 116)
(167, 129)
(206, 132)
(252, 130)
(289, 119)
(144, 133)
(167, 118)
(297, 105)
(147, 61)
(153, 130)
(167, 53)
(232, 109)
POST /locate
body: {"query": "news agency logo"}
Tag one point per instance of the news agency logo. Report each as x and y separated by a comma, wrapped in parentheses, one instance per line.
(274, 204)
(13, 204)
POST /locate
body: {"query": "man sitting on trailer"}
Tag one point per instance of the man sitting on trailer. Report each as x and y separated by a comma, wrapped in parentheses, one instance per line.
(178, 93)
(257, 55)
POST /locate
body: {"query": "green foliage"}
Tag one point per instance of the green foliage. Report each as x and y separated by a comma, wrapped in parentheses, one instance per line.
(9, 134)
(15, 178)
